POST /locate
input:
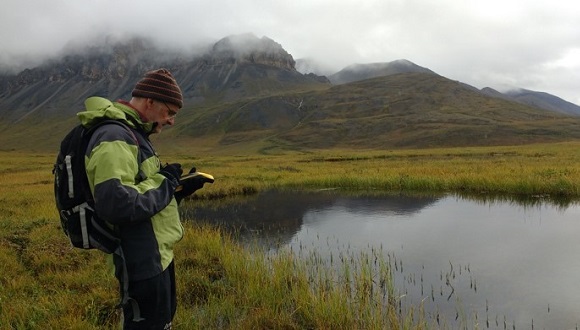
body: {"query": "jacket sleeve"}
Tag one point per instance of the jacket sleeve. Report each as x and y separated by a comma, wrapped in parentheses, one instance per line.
(112, 165)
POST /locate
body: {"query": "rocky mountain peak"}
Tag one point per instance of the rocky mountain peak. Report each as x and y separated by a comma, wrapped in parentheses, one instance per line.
(247, 48)
(110, 67)
(103, 60)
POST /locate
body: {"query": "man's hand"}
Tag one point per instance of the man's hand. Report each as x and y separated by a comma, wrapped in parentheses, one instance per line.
(190, 185)
(172, 171)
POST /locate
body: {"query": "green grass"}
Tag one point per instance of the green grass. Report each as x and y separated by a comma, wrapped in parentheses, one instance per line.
(47, 284)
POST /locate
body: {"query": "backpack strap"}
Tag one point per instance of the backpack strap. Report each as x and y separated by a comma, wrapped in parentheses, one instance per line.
(115, 122)
(125, 287)
(141, 175)
(69, 172)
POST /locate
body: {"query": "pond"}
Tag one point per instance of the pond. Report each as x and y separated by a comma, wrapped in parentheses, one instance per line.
(495, 263)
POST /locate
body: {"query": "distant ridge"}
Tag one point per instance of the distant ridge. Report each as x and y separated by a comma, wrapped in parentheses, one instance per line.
(544, 101)
(357, 72)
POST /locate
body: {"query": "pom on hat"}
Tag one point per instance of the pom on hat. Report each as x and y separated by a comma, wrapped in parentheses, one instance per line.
(159, 85)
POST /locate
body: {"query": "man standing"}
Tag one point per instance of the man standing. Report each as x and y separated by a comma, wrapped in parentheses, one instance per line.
(136, 195)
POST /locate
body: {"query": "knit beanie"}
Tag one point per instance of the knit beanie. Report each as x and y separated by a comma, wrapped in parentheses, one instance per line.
(159, 85)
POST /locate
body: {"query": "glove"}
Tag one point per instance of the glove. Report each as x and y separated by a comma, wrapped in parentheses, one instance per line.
(190, 186)
(172, 172)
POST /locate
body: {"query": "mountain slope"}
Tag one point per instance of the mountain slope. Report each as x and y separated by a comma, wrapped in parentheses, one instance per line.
(404, 110)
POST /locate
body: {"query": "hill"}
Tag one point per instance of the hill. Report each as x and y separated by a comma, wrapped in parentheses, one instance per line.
(358, 72)
(398, 111)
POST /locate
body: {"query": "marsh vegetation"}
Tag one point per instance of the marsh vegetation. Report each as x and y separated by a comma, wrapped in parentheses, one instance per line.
(47, 284)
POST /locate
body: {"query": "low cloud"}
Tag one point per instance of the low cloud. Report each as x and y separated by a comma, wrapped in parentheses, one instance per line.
(528, 44)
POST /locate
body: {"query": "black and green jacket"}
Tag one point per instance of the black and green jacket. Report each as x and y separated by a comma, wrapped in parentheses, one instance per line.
(130, 194)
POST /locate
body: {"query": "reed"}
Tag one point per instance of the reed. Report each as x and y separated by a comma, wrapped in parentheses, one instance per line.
(225, 286)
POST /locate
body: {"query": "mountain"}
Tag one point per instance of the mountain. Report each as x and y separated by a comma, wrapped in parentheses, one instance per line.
(357, 72)
(234, 67)
(244, 93)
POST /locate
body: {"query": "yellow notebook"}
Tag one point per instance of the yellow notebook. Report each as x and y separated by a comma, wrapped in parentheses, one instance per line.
(204, 177)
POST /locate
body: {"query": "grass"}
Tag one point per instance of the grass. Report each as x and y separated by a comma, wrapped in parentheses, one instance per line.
(547, 170)
(47, 284)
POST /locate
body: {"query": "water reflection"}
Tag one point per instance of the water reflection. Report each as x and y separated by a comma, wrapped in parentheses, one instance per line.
(274, 217)
(496, 262)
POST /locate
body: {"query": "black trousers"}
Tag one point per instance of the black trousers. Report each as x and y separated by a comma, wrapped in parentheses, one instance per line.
(156, 299)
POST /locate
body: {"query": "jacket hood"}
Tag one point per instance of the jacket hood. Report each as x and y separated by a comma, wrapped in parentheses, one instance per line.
(98, 108)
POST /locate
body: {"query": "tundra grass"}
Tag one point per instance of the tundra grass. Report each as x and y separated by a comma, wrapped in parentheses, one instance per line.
(549, 171)
(47, 284)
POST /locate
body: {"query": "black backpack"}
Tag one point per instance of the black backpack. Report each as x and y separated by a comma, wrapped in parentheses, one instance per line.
(74, 199)
(76, 205)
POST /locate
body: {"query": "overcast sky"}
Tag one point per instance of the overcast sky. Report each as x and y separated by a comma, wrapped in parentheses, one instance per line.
(532, 44)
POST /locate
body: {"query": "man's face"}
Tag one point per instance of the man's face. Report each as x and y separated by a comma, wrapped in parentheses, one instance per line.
(162, 113)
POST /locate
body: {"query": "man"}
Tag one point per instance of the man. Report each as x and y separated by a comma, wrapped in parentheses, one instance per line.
(136, 195)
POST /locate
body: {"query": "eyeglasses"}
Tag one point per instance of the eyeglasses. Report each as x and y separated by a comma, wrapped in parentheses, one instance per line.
(170, 113)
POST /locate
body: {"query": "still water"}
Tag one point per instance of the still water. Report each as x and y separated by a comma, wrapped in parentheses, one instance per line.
(488, 264)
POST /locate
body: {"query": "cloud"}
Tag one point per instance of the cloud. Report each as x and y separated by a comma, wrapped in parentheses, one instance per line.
(531, 44)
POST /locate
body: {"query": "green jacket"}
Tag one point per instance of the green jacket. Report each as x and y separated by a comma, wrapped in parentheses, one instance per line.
(130, 194)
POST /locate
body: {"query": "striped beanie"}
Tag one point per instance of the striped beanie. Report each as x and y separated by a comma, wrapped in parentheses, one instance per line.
(159, 85)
